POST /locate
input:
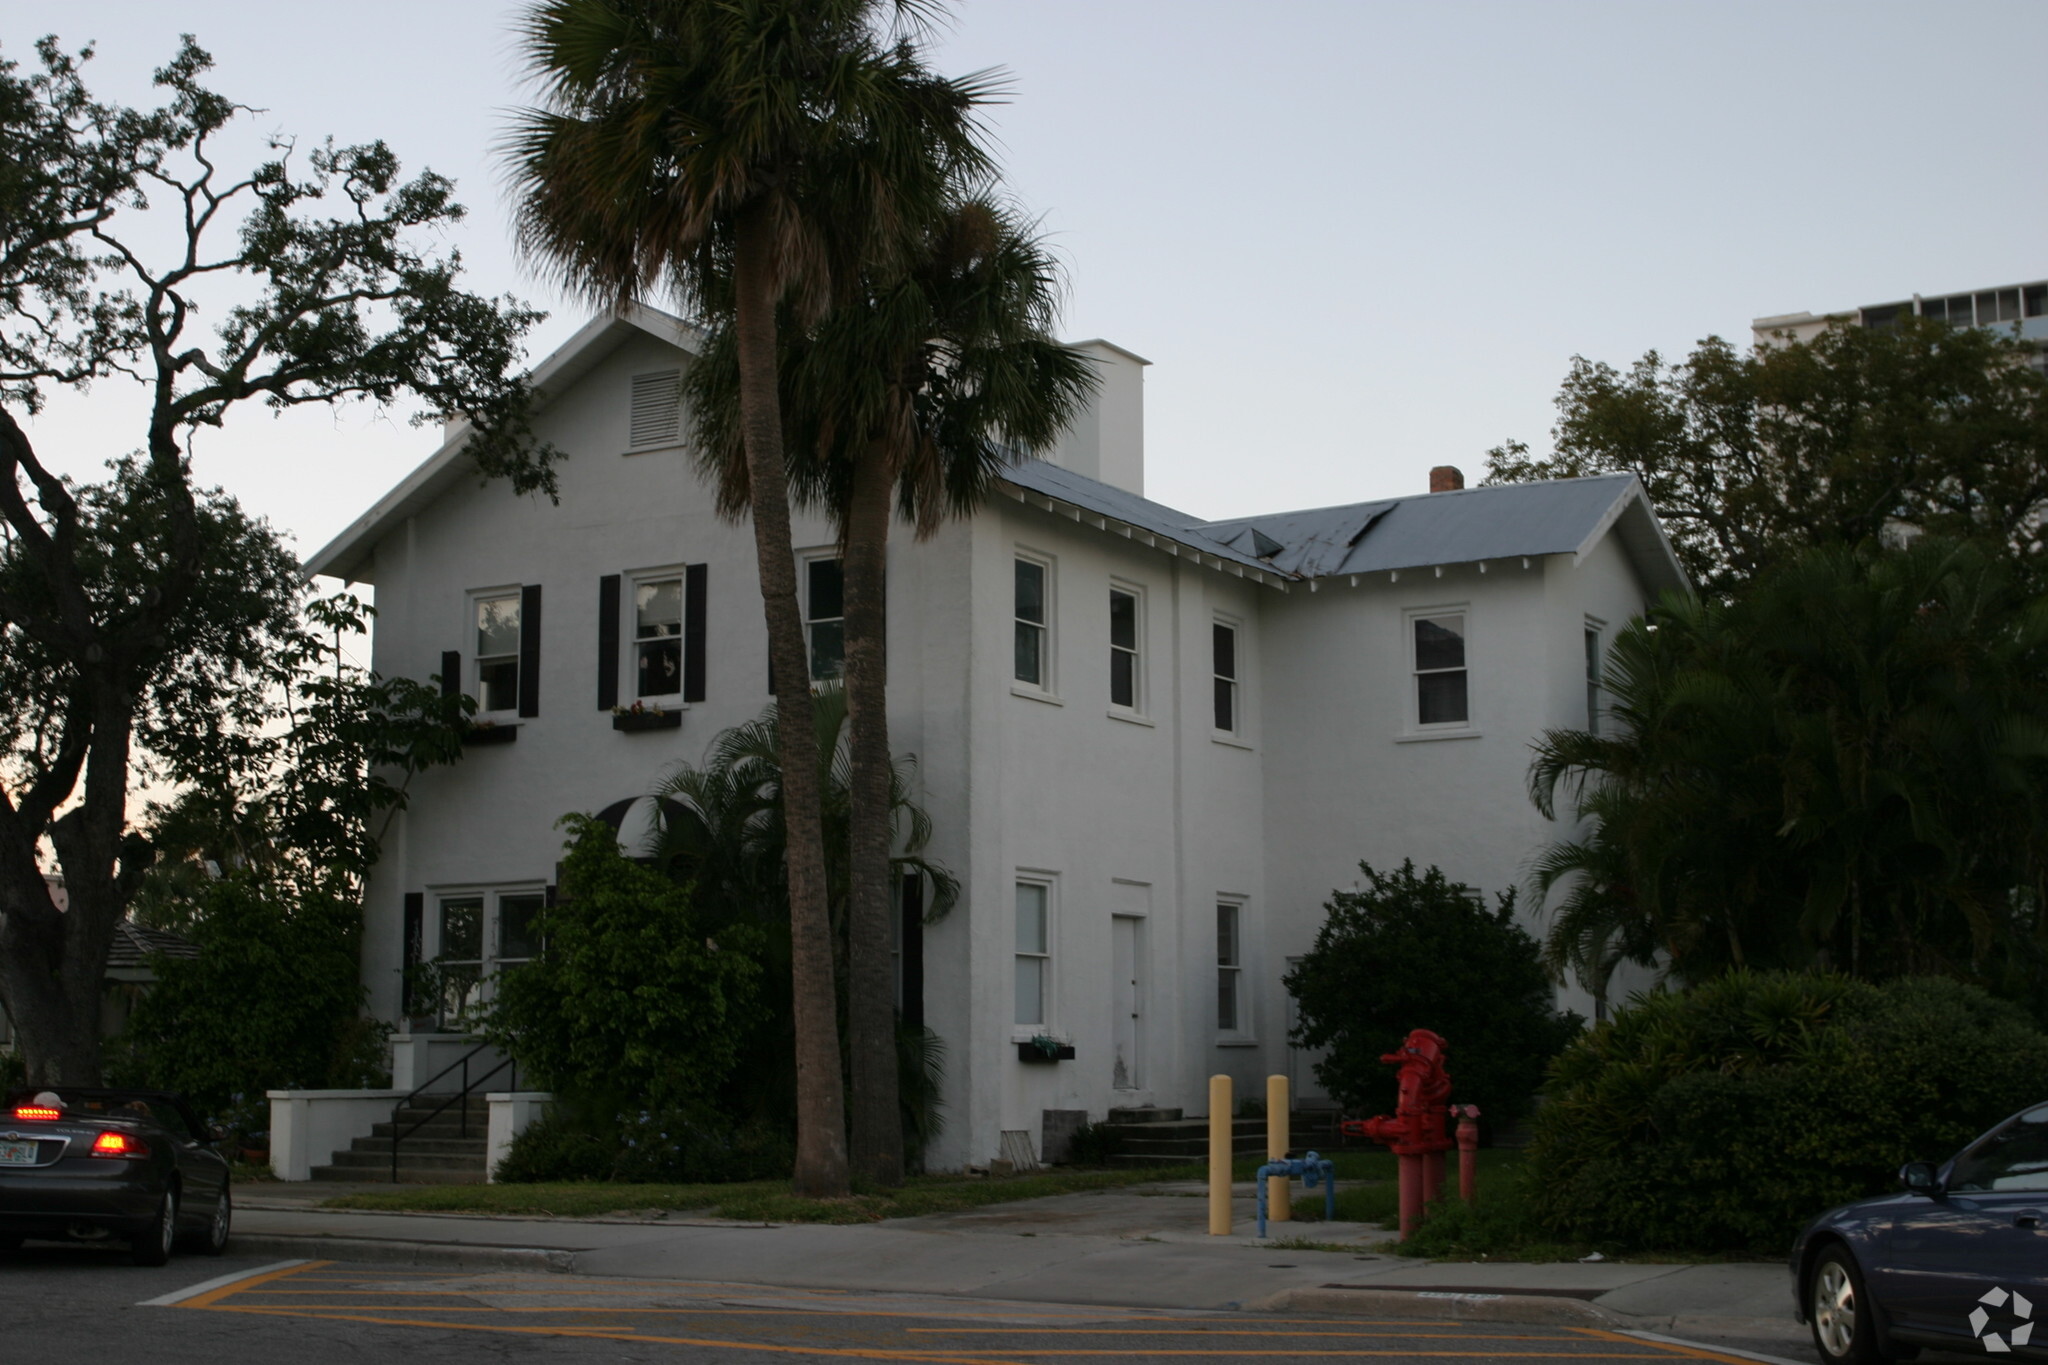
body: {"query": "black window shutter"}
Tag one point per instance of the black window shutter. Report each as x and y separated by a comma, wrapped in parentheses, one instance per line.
(451, 674)
(529, 650)
(693, 632)
(912, 1008)
(607, 642)
(415, 947)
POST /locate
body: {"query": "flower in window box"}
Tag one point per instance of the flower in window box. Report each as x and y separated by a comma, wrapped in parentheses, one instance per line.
(1044, 1047)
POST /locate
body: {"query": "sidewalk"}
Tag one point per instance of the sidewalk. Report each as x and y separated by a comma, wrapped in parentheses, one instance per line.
(1118, 1247)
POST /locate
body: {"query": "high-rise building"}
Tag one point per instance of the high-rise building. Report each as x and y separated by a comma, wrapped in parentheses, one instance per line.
(2020, 306)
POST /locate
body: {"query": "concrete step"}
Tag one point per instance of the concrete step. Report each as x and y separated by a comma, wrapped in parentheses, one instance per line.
(439, 1128)
(1186, 1149)
(450, 1146)
(1149, 1114)
(407, 1175)
(433, 1128)
(425, 1161)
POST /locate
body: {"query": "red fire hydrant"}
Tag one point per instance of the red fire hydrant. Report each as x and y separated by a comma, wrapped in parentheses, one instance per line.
(1416, 1132)
(1468, 1151)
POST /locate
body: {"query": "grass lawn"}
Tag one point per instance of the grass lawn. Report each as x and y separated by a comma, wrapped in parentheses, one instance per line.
(760, 1201)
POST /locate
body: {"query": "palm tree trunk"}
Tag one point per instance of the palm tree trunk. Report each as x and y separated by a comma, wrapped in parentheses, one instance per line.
(820, 1094)
(870, 988)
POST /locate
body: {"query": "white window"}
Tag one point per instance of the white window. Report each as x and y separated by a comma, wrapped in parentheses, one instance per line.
(1223, 654)
(825, 617)
(1592, 677)
(1034, 952)
(1230, 1012)
(481, 933)
(1441, 696)
(1126, 682)
(657, 415)
(497, 653)
(1033, 618)
(658, 635)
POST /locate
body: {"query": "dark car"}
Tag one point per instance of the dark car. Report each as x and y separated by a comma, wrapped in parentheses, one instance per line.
(1958, 1261)
(91, 1164)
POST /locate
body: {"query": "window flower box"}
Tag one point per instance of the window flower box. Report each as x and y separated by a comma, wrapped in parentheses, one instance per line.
(487, 733)
(1044, 1049)
(634, 721)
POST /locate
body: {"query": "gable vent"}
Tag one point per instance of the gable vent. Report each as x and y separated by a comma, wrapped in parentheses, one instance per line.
(657, 409)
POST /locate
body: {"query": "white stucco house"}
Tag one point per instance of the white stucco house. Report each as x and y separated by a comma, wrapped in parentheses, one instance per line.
(1152, 744)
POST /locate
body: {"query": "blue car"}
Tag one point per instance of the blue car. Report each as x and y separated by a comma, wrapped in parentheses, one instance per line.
(1959, 1261)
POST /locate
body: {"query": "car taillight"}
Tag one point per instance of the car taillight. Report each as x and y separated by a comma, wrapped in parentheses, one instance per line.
(37, 1111)
(111, 1143)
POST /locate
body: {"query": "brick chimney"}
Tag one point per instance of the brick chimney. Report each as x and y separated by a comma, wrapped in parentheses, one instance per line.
(1446, 478)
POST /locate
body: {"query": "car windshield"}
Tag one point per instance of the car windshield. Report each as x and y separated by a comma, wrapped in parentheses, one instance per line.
(2014, 1157)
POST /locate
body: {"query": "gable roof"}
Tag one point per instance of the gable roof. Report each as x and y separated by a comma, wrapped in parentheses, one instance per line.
(347, 556)
(1504, 521)
(134, 944)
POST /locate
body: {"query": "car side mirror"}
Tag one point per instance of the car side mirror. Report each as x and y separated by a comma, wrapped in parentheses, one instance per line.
(1920, 1177)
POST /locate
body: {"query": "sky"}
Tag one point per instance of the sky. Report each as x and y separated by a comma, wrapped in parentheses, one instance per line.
(1355, 239)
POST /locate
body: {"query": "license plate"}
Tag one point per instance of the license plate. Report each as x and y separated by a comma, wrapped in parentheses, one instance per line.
(17, 1153)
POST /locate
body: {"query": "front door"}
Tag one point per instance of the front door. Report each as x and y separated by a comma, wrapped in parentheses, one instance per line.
(1127, 1001)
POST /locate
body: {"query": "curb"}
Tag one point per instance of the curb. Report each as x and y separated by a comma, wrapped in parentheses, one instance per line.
(389, 1251)
(1445, 1307)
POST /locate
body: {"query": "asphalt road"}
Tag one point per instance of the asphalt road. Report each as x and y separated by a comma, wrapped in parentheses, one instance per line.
(65, 1304)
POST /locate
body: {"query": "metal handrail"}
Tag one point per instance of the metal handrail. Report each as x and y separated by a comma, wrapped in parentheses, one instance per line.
(463, 1094)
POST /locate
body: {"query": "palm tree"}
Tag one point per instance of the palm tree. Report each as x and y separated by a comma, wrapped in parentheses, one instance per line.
(1839, 770)
(911, 397)
(746, 155)
(721, 830)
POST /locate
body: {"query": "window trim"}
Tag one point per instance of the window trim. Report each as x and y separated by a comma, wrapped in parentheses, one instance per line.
(1045, 687)
(1412, 722)
(473, 660)
(1137, 709)
(629, 631)
(804, 560)
(1048, 981)
(1594, 637)
(1242, 1032)
(489, 962)
(1236, 734)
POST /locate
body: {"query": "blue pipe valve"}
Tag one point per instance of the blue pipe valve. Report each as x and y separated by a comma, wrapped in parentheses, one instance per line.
(1313, 1170)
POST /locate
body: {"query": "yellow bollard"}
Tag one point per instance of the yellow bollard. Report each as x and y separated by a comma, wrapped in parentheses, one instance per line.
(1219, 1156)
(1279, 1189)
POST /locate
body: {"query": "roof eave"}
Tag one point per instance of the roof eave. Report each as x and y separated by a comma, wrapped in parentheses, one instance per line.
(1642, 537)
(1177, 546)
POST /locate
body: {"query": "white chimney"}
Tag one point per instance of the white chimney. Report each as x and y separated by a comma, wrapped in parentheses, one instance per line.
(1107, 441)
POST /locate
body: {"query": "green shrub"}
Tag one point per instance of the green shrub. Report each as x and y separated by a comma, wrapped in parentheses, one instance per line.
(272, 1002)
(646, 1147)
(631, 1004)
(1409, 952)
(1093, 1144)
(1725, 1117)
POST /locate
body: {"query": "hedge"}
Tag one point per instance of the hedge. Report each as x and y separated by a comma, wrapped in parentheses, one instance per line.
(1726, 1117)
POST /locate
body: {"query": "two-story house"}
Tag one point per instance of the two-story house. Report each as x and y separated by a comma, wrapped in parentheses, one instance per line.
(1152, 744)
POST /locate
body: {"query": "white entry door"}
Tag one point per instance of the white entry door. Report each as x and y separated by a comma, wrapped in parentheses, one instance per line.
(1127, 1000)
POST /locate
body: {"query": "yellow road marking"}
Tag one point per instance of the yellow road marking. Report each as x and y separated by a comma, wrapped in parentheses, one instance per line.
(1247, 1332)
(1682, 1352)
(847, 1352)
(213, 1296)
